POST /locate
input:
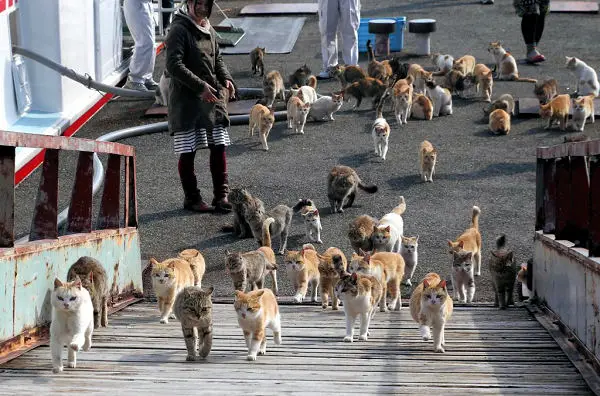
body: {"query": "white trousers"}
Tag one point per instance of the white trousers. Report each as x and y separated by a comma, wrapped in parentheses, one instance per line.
(138, 16)
(342, 16)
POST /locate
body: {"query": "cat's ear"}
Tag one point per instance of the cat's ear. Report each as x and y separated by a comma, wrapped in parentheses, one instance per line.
(316, 212)
(227, 252)
(171, 265)
(354, 276)
(417, 239)
(77, 282)
(210, 290)
(425, 284)
(387, 229)
(450, 245)
(264, 50)
(57, 283)
(153, 261)
(461, 244)
(510, 256)
(260, 293)
(90, 277)
(271, 110)
(443, 284)
(469, 255)
(238, 294)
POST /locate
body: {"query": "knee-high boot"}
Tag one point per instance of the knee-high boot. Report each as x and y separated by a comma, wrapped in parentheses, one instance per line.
(193, 200)
(220, 179)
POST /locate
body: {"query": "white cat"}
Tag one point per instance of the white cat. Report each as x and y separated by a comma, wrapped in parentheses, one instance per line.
(409, 251)
(325, 106)
(162, 92)
(381, 136)
(387, 234)
(587, 79)
(441, 98)
(443, 63)
(463, 278)
(312, 220)
(297, 113)
(306, 94)
(72, 322)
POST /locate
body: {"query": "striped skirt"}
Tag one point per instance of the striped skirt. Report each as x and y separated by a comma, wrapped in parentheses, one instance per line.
(190, 141)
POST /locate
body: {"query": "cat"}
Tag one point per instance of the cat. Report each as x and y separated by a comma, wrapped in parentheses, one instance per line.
(72, 322)
(325, 107)
(273, 86)
(262, 117)
(341, 267)
(306, 94)
(587, 79)
(463, 279)
(583, 108)
(360, 232)
(303, 268)
(505, 102)
(257, 311)
(421, 107)
(193, 308)
(300, 76)
(242, 202)
(161, 94)
(168, 278)
(484, 81)
(381, 135)
(546, 90)
(499, 122)
(312, 219)
(441, 99)
(297, 113)
(366, 88)
(427, 160)
(360, 295)
(197, 263)
(465, 64)
(386, 235)
(348, 74)
(329, 276)
(506, 65)
(522, 276)
(403, 99)
(470, 240)
(456, 82)
(556, 110)
(94, 280)
(443, 63)
(388, 268)
(431, 307)
(257, 60)
(342, 184)
(273, 223)
(419, 77)
(381, 71)
(409, 251)
(504, 273)
(250, 268)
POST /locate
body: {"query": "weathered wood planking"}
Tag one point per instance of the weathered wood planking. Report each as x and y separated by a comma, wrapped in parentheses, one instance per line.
(488, 352)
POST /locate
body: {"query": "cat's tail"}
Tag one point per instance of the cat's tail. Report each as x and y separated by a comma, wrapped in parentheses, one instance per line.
(370, 52)
(312, 81)
(524, 79)
(370, 188)
(308, 246)
(475, 217)
(401, 208)
(501, 242)
(301, 204)
(266, 233)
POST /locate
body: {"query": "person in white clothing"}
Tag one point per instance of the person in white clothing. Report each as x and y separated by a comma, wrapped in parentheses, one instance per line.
(138, 16)
(342, 16)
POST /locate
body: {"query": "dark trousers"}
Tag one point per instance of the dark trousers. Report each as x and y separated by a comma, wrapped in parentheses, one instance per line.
(532, 27)
(218, 171)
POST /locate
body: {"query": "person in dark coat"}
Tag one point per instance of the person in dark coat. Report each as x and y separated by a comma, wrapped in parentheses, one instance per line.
(199, 91)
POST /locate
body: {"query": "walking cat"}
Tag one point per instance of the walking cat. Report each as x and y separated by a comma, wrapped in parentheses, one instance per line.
(465, 64)
(505, 102)
(297, 113)
(263, 118)
(470, 240)
(443, 63)
(325, 107)
(329, 276)
(342, 184)
(168, 278)
(419, 77)
(257, 311)
(463, 278)
(243, 202)
(499, 122)
(583, 108)
(457, 82)
(427, 160)
(193, 308)
(360, 295)
(250, 268)
(94, 280)
(196, 261)
(556, 110)
(360, 233)
(506, 65)
(300, 76)
(312, 219)
(381, 135)
(274, 223)
(273, 86)
(546, 90)
(379, 70)
(441, 99)
(72, 322)
(484, 81)
(409, 249)
(303, 268)
(366, 88)
(403, 99)
(503, 269)
(348, 74)
(587, 79)
(386, 235)
(421, 107)
(431, 307)
(257, 60)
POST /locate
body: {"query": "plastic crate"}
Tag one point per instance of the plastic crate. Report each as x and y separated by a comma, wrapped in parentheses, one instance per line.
(396, 39)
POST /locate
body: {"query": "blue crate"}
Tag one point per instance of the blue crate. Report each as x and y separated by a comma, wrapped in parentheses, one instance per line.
(396, 39)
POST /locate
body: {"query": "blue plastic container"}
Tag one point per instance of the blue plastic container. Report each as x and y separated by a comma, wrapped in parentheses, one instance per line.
(396, 39)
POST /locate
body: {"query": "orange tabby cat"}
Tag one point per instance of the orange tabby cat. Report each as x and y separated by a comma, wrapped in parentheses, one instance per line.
(379, 70)
(556, 110)
(196, 260)
(484, 80)
(465, 64)
(329, 276)
(583, 108)
(427, 160)
(499, 122)
(303, 268)
(422, 108)
(168, 279)
(263, 118)
(420, 76)
(402, 97)
(257, 311)
(470, 241)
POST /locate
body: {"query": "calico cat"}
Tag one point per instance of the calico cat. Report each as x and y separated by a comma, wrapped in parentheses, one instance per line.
(419, 77)
(465, 64)
(409, 251)
(94, 280)
(243, 202)
(463, 279)
(161, 95)
(421, 108)
(311, 217)
(470, 240)
(499, 122)
(168, 278)
(329, 275)
(348, 74)
(297, 113)
(273, 86)
(360, 232)
(427, 160)
(587, 79)
(583, 108)
(72, 322)
(556, 110)
(275, 222)
(504, 102)
(546, 90)
(386, 235)
(193, 308)
(325, 106)
(366, 88)
(431, 307)
(506, 65)
(403, 99)
(303, 268)
(504, 272)
(382, 71)
(484, 81)
(300, 77)
(196, 261)
(360, 295)
(263, 118)
(342, 184)
(257, 311)
(250, 268)
(381, 135)
(257, 60)
(443, 63)
(441, 99)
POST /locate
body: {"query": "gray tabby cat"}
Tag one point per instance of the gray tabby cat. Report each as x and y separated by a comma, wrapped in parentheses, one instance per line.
(193, 308)
(250, 269)
(94, 280)
(264, 226)
(504, 272)
(243, 202)
(342, 184)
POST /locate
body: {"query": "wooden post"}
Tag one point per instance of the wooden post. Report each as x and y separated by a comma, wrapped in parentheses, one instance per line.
(43, 225)
(7, 196)
(540, 218)
(594, 205)
(80, 209)
(549, 196)
(111, 196)
(562, 180)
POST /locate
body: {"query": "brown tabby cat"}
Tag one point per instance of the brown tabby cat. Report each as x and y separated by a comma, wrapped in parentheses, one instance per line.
(470, 241)
(196, 260)
(556, 110)
(546, 90)
(273, 86)
(505, 102)
(250, 268)
(303, 268)
(193, 308)
(342, 183)
(503, 269)
(263, 118)
(427, 160)
(379, 70)
(366, 88)
(94, 280)
(257, 59)
(348, 74)
(329, 276)
(499, 122)
(360, 232)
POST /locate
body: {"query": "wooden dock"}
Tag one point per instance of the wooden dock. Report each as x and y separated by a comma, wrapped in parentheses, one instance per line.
(488, 352)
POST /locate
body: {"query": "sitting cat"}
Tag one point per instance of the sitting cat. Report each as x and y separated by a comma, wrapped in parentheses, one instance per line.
(297, 113)
(360, 233)
(312, 220)
(366, 88)
(325, 106)
(273, 86)
(443, 63)
(300, 77)
(546, 90)
(196, 261)
(243, 202)
(72, 322)
(504, 102)
(257, 311)
(441, 99)
(348, 74)
(263, 118)
(257, 60)
(470, 240)
(94, 280)
(410, 254)
(587, 79)
(419, 77)
(386, 235)
(329, 276)
(504, 272)
(431, 307)
(506, 65)
(250, 268)
(556, 110)
(342, 184)
(193, 308)
(306, 94)
(421, 108)
(381, 135)
(583, 108)
(168, 278)
(427, 160)
(499, 122)
(303, 268)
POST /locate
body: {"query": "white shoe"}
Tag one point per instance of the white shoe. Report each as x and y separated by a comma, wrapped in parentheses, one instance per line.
(325, 75)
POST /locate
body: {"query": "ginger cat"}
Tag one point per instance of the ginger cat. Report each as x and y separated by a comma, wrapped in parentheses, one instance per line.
(484, 80)
(431, 307)
(303, 268)
(427, 160)
(257, 60)
(506, 65)
(257, 311)
(556, 110)
(273, 86)
(419, 77)
(168, 279)
(403, 96)
(329, 276)
(379, 70)
(297, 113)
(196, 260)
(499, 122)
(470, 240)
(263, 118)
(583, 108)
(465, 64)
(546, 90)
(348, 74)
(422, 108)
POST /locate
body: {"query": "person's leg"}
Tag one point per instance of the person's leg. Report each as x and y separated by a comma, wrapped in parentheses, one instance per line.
(193, 201)
(167, 15)
(529, 26)
(328, 26)
(539, 27)
(349, 24)
(220, 178)
(139, 20)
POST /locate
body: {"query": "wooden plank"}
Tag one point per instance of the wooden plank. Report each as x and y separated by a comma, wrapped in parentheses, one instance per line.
(7, 196)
